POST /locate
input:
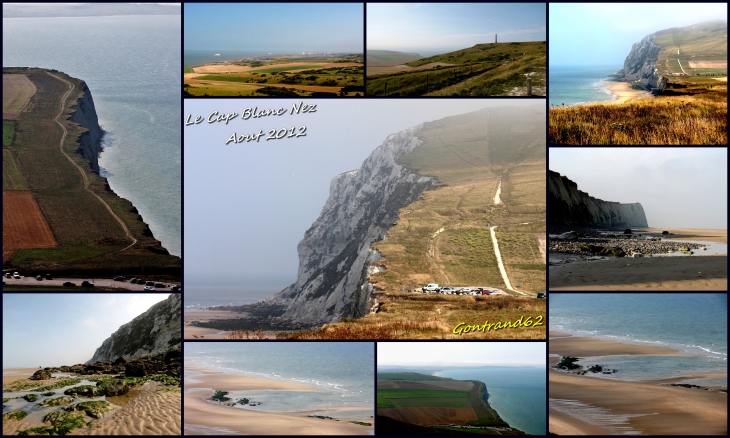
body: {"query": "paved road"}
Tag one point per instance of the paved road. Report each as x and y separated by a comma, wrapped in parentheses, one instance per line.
(99, 282)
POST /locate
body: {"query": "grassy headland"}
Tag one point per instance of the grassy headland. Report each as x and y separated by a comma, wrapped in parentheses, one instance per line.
(483, 70)
(330, 76)
(90, 240)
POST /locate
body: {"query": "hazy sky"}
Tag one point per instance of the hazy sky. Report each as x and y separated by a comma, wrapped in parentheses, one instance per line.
(602, 33)
(247, 205)
(682, 187)
(433, 28)
(275, 27)
(64, 329)
(461, 353)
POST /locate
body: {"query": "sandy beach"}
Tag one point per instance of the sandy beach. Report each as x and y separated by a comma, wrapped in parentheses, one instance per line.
(624, 92)
(691, 273)
(145, 410)
(199, 412)
(650, 407)
(192, 332)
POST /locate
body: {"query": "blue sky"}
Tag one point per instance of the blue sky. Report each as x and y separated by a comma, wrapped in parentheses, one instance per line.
(283, 28)
(681, 187)
(64, 329)
(461, 353)
(248, 205)
(433, 28)
(602, 33)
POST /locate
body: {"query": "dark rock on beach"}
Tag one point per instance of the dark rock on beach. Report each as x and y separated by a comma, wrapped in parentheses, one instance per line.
(40, 375)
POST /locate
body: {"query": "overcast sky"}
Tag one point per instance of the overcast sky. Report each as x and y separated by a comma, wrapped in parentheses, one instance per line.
(64, 329)
(461, 353)
(602, 33)
(274, 27)
(247, 205)
(434, 28)
(679, 187)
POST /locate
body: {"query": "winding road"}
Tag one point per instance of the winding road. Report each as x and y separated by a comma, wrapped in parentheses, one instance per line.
(81, 170)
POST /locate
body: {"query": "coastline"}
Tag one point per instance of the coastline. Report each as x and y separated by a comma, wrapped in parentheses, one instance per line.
(616, 406)
(622, 92)
(210, 415)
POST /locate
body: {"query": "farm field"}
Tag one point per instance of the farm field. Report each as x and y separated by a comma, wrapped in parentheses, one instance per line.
(482, 70)
(23, 223)
(81, 236)
(281, 77)
(700, 49)
(17, 91)
(439, 406)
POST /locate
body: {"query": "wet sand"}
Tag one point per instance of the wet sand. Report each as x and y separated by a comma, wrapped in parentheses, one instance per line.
(690, 234)
(690, 273)
(145, 410)
(655, 408)
(13, 374)
(199, 412)
(192, 332)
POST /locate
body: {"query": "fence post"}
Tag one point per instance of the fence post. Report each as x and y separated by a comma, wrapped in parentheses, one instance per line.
(385, 93)
(427, 79)
(529, 86)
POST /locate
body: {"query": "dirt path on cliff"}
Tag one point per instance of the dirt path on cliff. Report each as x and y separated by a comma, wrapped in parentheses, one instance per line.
(83, 174)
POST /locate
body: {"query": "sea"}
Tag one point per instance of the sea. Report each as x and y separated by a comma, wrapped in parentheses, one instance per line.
(572, 85)
(695, 324)
(199, 57)
(516, 393)
(132, 67)
(341, 374)
(197, 297)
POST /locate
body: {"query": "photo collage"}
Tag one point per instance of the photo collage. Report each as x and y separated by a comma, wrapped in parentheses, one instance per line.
(353, 218)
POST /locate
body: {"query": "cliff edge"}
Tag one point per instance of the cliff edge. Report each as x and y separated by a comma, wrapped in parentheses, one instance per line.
(85, 115)
(569, 206)
(640, 64)
(335, 253)
(153, 332)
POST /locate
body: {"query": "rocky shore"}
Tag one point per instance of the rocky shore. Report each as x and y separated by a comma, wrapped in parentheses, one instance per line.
(617, 245)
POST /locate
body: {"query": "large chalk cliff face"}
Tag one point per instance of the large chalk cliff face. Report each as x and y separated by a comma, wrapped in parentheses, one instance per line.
(569, 206)
(85, 115)
(335, 254)
(155, 331)
(640, 65)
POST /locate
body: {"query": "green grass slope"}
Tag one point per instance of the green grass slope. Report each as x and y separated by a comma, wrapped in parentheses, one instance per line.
(696, 43)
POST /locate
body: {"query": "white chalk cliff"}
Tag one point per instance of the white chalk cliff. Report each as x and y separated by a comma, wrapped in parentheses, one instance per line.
(335, 253)
(569, 206)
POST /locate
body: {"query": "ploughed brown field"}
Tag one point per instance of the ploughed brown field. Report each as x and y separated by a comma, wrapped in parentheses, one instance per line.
(426, 416)
(17, 91)
(23, 224)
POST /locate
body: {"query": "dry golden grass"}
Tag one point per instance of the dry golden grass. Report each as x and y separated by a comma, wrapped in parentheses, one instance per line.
(691, 111)
(421, 316)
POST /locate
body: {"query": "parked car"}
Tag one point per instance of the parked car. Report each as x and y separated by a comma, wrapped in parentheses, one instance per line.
(87, 284)
(160, 285)
(150, 283)
(7, 275)
(447, 290)
(175, 287)
(431, 287)
(39, 277)
(149, 288)
(16, 275)
(119, 278)
(540, 295)
(49, 277)
(68, 283)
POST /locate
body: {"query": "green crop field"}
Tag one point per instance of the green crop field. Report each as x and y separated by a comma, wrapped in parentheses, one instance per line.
(12, 179)
(447, 402)
(407, 376)
(187, 70)
(279, 69)
(383, 402)
(421, 393)
(8, 132)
